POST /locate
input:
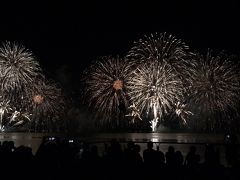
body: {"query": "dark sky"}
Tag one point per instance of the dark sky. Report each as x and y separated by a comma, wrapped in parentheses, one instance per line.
(70, 33)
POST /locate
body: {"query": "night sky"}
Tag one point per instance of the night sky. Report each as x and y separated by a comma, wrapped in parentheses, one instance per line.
(66, 36)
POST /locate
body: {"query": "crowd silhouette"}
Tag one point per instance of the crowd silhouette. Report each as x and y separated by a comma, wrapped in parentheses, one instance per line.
(69, 159)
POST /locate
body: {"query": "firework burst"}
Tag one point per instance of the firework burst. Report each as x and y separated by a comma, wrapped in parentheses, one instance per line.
(11, 117)
(105, 89)
(18, 67)
(155, 88)
(163, 48)
(46, 103)
(215, 88)
(172, 58)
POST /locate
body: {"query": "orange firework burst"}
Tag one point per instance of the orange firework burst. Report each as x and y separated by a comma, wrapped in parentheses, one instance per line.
(118, 84)
(38, 99)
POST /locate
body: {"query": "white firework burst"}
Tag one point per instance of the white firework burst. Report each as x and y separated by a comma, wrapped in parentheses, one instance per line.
(18, 67)
(105, 89)
(155, 88)
(164, 48)
(134, 114)
(182, 112)
(10, 116)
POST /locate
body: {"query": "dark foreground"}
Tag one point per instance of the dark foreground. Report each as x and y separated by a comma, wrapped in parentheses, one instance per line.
(64, 158)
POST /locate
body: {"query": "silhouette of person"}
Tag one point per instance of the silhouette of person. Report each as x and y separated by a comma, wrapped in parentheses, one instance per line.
(192, 159)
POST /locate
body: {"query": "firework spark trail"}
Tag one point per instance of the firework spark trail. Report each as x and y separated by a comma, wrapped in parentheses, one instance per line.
(24, 85)
(18, 66)
(106, 89)
(135, 114)
(182, 112)
(155, 87)
(4, 108)
(215, 87)
(10, 117)
(17, 118)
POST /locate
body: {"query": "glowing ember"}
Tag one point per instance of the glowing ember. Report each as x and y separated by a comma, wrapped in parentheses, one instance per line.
(118, 84)
(38, 99)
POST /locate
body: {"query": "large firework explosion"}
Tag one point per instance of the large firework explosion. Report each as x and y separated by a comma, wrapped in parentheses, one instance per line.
(105, 91)
(46, 102)
(155, 88)
(162, 77)
(167, 51)
(25, 94)
(214, 91)
(164, 48)
(18, 67)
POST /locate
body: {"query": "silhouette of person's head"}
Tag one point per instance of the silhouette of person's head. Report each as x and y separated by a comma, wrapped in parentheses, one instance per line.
(150, 145)
(171, 149)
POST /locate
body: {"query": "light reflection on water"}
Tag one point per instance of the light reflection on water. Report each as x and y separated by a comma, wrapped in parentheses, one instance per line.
(34, 139)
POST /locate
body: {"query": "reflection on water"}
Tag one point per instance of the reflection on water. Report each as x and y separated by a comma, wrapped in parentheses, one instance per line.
(33, 140)
(159, 137)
